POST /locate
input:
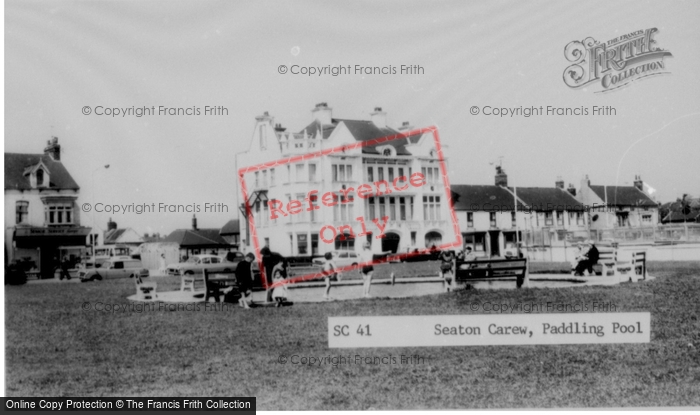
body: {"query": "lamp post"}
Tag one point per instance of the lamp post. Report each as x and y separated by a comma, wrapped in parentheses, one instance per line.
(93, 237)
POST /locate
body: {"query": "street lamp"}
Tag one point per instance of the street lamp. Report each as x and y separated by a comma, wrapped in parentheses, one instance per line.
(93, 236)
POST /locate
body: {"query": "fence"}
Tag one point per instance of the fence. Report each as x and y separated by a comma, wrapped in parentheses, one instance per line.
(676, 233)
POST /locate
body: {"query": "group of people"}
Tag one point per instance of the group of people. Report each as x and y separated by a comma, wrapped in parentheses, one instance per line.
(586, 257)
(447, 265)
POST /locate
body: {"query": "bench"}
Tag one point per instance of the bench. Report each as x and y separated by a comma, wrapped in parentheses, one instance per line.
(216, 284)
(618, 263)
(145, 290)
(492, 269)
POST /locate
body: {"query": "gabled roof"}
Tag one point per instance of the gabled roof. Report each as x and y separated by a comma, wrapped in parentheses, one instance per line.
(623, 196)
(113, 235)
(469, 197)
(17, 163)
(693, 216)
(232, 227)
(363, 130)
(547, 199)
(196, 237)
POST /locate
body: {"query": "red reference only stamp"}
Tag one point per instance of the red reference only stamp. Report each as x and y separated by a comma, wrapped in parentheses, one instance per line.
(391, 192)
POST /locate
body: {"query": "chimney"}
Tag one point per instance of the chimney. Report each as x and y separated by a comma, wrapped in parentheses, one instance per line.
(53, 149)
(559, 183)
(323, 114)
(405, 126)
(194, 222)
(379, 117)
(111, 225)
(279, 128)
(638, 183)
(571, 189)
(585, 182)
(501, 177)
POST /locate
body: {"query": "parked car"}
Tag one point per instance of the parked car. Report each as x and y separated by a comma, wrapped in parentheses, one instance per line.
(196, 264)
(341, 258)
(111, 269)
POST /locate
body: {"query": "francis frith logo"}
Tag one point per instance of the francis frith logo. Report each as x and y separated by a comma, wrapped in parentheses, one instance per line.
(611, 65)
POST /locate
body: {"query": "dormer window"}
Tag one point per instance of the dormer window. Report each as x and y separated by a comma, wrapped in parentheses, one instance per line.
(39, 177)
(387, 151)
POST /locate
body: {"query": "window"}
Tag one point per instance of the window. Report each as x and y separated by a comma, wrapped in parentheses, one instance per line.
(492, 219)
(22, 211)
(579, 218)
(646, 218)
(370, 208)
(382, 208)
(314, 244)
(40, 177)
(312, 172)
(431, 174)
(264, 178)
(560, 219)
(342, 172)
(299, 172)
(380, 173)
(313, 216)
(257, 179)
(301, 215)
(548, 219)
(59, 214)
(301, 243)
(513, 220)
(272, 177)
(343, 210)
(479, 239)
(118, 265)
(387, 152)
(370, 174)
(431, 207)
(289, 173)
(344, 242)
(470, 219)
(623, 219)
(391, 174)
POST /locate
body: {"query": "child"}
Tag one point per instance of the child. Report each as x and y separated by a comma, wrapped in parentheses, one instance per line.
(279, 293)
(328, 271)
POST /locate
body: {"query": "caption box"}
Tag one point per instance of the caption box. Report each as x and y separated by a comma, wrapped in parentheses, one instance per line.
(488, 330)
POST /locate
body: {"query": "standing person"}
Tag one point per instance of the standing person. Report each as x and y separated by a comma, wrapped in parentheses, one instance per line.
(163, 266)
(328, 271)
(64, 268)
(271, 261)
(244, 278)
(446, 269)
(280, 292)
(367, 270)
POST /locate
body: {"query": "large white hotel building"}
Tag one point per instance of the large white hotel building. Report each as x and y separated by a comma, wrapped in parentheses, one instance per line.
(418, 217)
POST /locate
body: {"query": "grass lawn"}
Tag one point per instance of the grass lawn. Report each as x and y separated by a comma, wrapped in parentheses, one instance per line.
(54, 348)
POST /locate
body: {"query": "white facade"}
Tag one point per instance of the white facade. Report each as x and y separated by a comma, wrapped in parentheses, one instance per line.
(417, 215)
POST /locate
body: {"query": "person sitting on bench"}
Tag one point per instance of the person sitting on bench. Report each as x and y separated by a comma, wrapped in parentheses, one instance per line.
(590, 259)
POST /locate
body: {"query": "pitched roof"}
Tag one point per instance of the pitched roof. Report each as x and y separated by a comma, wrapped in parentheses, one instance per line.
(363, 130)
(113, 235)
(693, 216)
(196, 237)
(623, 196)
(231, 227)
(547, 198)
(17, 163)
(488, 198)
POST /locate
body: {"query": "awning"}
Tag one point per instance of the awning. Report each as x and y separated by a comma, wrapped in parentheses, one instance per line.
(36, 237)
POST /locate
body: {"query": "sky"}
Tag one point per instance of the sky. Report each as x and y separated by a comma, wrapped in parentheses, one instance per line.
(61, 56)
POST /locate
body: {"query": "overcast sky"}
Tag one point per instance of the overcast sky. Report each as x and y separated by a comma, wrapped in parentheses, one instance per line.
(61, 56)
